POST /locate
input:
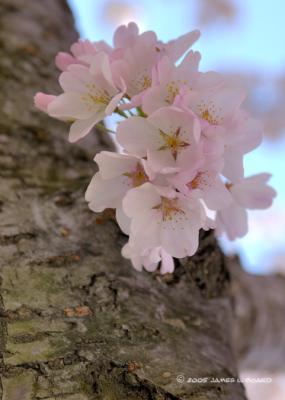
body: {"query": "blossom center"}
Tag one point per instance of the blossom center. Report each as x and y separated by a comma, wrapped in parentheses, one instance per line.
(143, 82)
(96, 96)
(172, 91)
(138, 177)
(173, 142)
(201, 181)
(195, 183)
(169, 208)
(210, 113)
(146, 82)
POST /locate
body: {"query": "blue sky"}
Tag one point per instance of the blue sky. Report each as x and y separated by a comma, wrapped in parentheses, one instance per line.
(253, 42)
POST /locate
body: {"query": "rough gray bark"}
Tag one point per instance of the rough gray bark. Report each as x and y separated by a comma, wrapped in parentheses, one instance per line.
(259, 318)
(77, 322)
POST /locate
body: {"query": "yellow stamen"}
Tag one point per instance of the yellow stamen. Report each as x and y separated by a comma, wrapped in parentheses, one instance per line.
(169, 208)
(173, 142)
(138, 176)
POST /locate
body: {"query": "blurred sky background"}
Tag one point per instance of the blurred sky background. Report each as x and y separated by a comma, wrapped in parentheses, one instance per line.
(245, 40)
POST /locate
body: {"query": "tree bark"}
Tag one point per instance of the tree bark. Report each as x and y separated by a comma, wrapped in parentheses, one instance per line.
(259, 319)
(77, 322)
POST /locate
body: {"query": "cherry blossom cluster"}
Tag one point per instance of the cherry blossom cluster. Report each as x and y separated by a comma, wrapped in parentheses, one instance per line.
(184, 135)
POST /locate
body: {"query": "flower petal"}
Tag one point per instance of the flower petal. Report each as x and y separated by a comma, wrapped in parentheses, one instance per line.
(123, 220)
(69, 105)
(81, 128)
(42, 101)
(254, 192)
(176, 48)
(113, 164)
(233, 220)
(106, 193)
(167, 263)
(136, 135)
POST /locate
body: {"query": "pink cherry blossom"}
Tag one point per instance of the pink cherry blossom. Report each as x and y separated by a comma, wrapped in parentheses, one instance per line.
(140, 55)
(169, 138)
(136, 65)
(242, 135)
(171, 223)
(126, 35)
(117, 174)
(220, 115)
(42, 101)
(63, 60)
(176, 48)
(216, 107)
(89, 95)
(205, 184)
(169, 80)
(213, 142)
(150, 259)
(248, 193)
(184, 135)
(82, 52)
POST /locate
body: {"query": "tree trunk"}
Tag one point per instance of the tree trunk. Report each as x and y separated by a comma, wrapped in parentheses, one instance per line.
(259, 319)
(77, 322)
